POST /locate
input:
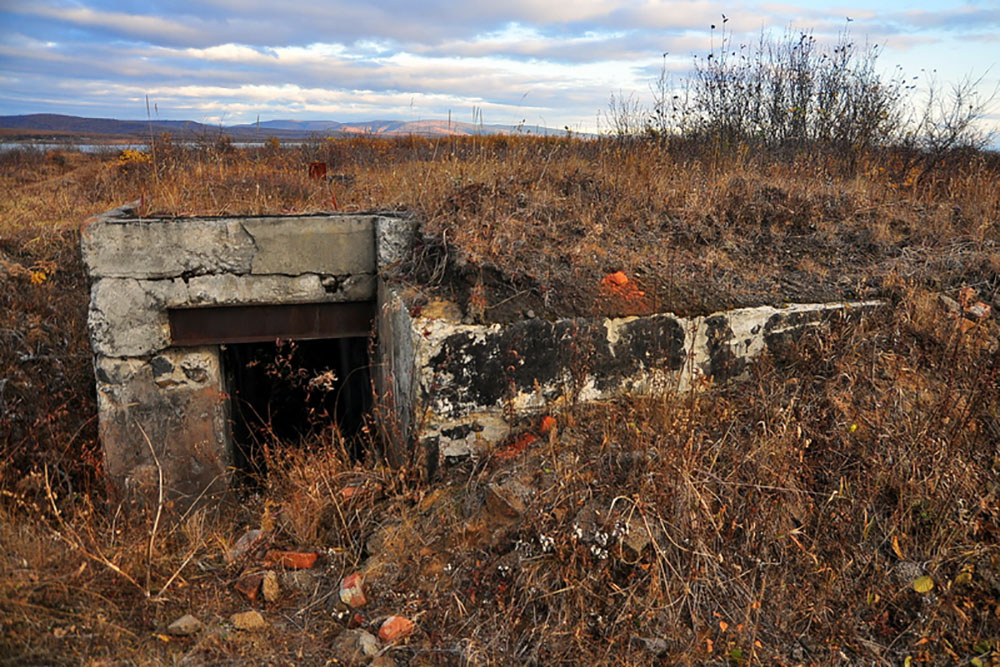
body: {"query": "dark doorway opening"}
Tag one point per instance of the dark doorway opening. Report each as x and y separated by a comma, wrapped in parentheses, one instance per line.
(295, 393)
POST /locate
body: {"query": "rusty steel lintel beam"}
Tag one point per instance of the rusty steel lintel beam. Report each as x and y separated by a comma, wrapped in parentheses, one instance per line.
(254, 324)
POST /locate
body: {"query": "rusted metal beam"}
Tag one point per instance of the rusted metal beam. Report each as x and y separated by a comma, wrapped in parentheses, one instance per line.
(254, 324)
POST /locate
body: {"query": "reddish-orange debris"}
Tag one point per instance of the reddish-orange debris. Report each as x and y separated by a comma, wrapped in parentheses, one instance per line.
(548, 423)
(317, 170)
(351, 592)
(618, 285)
(516, 447)
(359, 491)
(292, 560)
(618, 278)
(249, 585)
(395, 627)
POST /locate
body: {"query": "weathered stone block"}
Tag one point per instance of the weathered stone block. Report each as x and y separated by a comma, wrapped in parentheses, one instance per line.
(394, 239)
(152, 249)
(128, 317)
(331, 245)
(173, 405)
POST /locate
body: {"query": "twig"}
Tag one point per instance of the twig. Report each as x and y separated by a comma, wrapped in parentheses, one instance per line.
(510, 298)
(77, 544)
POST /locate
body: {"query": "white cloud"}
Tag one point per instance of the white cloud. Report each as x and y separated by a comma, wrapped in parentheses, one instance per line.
(536, 58)
(153, 28)
(235, 53)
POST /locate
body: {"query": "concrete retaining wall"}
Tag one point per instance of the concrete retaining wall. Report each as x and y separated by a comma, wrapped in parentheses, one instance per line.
(463, 386)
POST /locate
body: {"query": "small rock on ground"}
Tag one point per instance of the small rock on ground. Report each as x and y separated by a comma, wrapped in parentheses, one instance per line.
(248, 541)
(300, 580)
(184, 626)
(269, 586)
(352, 592)
(354, 647)
(248, 620)
(395, 627)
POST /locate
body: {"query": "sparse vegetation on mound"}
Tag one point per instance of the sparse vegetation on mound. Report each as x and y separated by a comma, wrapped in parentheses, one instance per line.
(843, 502)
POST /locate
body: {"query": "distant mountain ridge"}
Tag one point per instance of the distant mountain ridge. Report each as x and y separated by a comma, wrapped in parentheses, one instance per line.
(40, 125)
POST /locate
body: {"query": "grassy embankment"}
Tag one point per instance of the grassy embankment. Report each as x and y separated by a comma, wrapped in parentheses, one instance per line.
(788, 515)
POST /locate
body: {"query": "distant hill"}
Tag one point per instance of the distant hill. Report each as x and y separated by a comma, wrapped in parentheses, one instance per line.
(41, 126)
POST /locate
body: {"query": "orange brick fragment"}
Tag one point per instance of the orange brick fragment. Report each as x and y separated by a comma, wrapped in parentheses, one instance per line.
(618, 278)
(395, 627)
(352, 591)
(292, 560)
(249, 585)
(548, 423)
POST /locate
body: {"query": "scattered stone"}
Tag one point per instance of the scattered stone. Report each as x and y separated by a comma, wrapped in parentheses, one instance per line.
(634, 534)
(907, 571)
(978, 311)
(654, 645)
(184, 626)
(352, 592)
(248, 620)
(249, 540)
(292, 560)
(950, 304)
(249, 585)
(509, 499)
(300, 580)
(395, 627)
(354, 647)
(269, 586)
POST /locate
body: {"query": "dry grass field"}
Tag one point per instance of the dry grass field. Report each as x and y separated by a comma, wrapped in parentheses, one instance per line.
(839, 505)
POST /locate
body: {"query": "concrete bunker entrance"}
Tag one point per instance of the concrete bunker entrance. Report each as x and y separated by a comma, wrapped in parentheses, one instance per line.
(294, 373)
(184, 315)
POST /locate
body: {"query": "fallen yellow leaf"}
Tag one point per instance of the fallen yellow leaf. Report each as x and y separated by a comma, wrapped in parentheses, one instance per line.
(923, 584)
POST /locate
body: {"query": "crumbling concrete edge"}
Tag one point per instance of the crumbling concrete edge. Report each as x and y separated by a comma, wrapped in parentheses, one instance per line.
(466, 385)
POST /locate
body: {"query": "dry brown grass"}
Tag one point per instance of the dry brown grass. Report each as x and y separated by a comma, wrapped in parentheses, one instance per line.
(788, 515)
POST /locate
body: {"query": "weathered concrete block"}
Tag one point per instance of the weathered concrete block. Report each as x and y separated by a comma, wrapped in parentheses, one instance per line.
(394, 240)
(143, 268)
(173, 405)
(331, 245)
(152, 249)
(229, 289)
(128, 317)
(394, 374)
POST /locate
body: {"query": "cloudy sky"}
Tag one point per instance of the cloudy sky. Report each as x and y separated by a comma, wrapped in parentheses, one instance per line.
(546, 62)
